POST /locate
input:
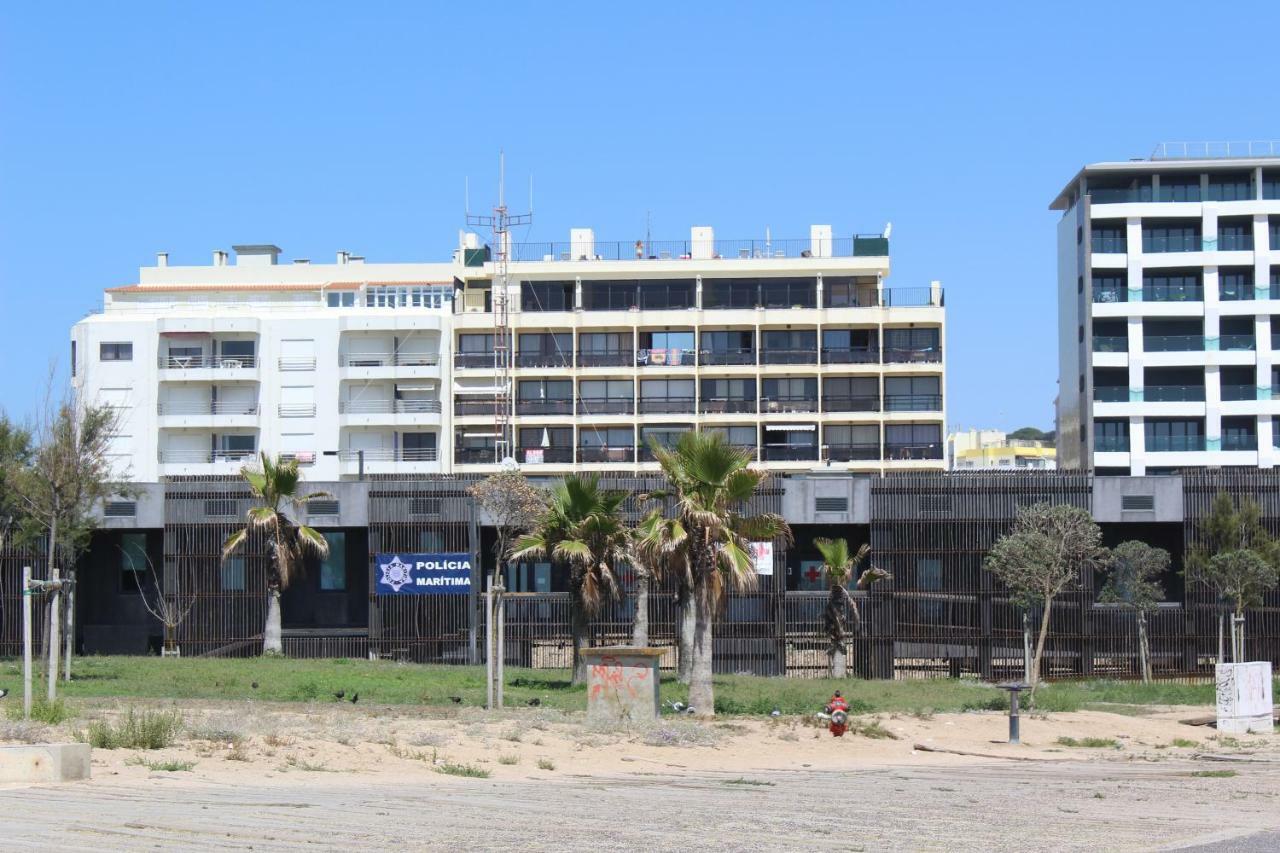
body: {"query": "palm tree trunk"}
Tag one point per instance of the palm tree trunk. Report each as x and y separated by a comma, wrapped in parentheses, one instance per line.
(837, 666)
(578, 632)
(688, 623)
(701, 690)
(1144, 649)
(272, 644)
(640, 623)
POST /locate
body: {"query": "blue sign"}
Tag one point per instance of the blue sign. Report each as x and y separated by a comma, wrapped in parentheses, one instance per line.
(423, 574)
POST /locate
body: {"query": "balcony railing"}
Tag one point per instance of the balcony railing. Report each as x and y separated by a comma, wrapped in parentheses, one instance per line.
(1110, 343)
(296, 363)
(912, 297)
(1173, 343)
(725, 405)
(1174, 443)
(788, 356)
(221, 407)
(912, 451)
(544, 407)
(1238, 343)
(192, 362)
(852, 355)
(1173, 393)
(913, 402)
(544, 359)
(476, 405)
(475, 455)
(606, 406)
(790, 453)
(899, 355)
(1156, 243)
(299, 410)
(1234, 243)
(851, 452)
(770, 405)
(1239, 392)
(545, 455)
(474, 360)
(831, 403)
(206, 457)
(606, 358)
(727, 356)
(1240, 441)
(1111, 393)
(869, 245)
(666, 405)
(606, 454)
(1190, 293)
(388, 454)
(1111, 443)
(1109, 245)
(392, 359)
(666, 357)
(399, 407)
(1104, 295)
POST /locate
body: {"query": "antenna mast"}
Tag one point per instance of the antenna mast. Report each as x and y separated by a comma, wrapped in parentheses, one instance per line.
(500, 223)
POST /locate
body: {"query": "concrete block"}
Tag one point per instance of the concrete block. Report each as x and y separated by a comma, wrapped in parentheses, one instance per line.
(44, 762)
(1244, 697)
(622, 684)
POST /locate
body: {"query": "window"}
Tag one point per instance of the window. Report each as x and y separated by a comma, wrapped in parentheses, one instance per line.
(609, 295)
(73, 358)
(133, 561)
(788, 292)
(1235, 283)
(844, 292)
(1179, 188)
(1108, 238)
(409, 296)
(912, 345)
(603, 342)
(234, 446)
(851, 394)
(115, 352)
(737, 436)
(1239, 433)
(1111, 436)
(912, 394)
(546, 296)
(865, 436)
(913, 441)
(333, 568)
(730, 292)
(1236, 186)
(1270, 185)
(606, 437)
(727, 342)
(1235, 235)
(723, 389)
(547, 437)
(418, 446)
(666, 348)
(237, 350)
(232, 574)
(1174, 435)
(1110, 287)
(666, 395)
(1172, 286)
(658, 295)
(545, 389)
(613, 389)
(343, 299)
(1178, 236)
(664, 435)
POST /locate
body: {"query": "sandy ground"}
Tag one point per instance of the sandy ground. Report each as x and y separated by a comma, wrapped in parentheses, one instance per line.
(337, 776)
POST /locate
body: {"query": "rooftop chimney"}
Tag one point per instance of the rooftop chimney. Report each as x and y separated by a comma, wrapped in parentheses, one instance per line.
(219, 258)
(257, 255)
(162, 259)
(343, 256)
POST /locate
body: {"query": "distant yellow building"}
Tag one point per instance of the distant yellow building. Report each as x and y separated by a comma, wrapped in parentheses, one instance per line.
(991, 449)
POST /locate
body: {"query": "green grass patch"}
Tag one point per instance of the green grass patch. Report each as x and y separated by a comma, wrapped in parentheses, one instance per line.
(468, 770)
(1090, 742)
(742, 780)
(1214, 774)
(135, 730)
(164, 766)
(1185, 743)
(42, 711)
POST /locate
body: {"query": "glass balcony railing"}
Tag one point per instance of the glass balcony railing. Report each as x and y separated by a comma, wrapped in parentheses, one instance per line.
(788, 404)
(1111, 443)
(606, 454)
(1111, 393)
(1232, 243)
(1110, 343)
(606, 358)
(921, 355)
(476, 406)
(666, 405)
(1173, 343)
(544, 407)
(1238, 343)
(544, 359)
(894, 450)
(789, 356)
(1239, 392)
(1174, 443)
(1240, 441)
(1109, 244)
(1159, 242)
(790, 453)
(475, 360)
(869, 403)
(727, 356)
(474, 455)
(1105, 195)
(913, 402)
(545, 455)
(852, 355)
(606, 406)
(723, 405)
(1189, 293)
(1173, 393)
(851, 452)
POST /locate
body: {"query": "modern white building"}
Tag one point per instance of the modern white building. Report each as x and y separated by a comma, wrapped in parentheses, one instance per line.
(1169, 311)
(797, 349)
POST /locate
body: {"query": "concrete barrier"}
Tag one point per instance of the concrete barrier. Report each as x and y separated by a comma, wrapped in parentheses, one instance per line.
(45, 762)
(622, 684)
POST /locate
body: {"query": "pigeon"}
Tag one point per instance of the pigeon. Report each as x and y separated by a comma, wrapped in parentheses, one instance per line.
(457, 700)
(535, 702)
(254, 685)
(775, 713)
(355, 697)
(340, 694)
(4, 692)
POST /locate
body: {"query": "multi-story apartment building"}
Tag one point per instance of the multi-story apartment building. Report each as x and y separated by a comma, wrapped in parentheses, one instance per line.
(1169, 312)
(796, 349)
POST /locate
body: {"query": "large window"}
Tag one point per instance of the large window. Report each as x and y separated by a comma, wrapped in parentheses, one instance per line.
(549, 349)
(733, 347)
(728, 395)
(546, 444)
(1240, 433)
(133, 561)
(850, 442)
(789, 346)
(912, 345)
(1174, 435)
(789, 394)
(546, 296)
(341, 299)
(1172, 286)
(663, 396)
(115, 352)
(1178, 236)
(418, 446)
(1111, 436)
(1235, 186)
(850, 394)
(849, 292)
(652, 294)
(737, 436)
(544, 397)
(912, 394)
(664, 435)
(913, 441)
(750, 292)
(1235, 283)
(609, 295)
(1110, 287)
(231, 574)
(666, 349)
(333, 568)
(605, 397)
(1179, 188)
(1235, 235)
(1108, 238)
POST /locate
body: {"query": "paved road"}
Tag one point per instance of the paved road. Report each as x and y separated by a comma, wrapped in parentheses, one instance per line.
(1008, 806)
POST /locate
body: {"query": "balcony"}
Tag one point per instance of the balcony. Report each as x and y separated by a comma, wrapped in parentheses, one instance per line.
(1111, 393)
(1175, 443)
(912, 297)
(606, 406)
(1240, 441)
(221, 407)
(1110, 343)
(912, 451)
(854, 355)
(869, 403)
(1233, 243)
(1238, 343)
(393, 359)
(913, 403)
(204, 457)
(477, 406)
(1173, 343)
(666, 405)
(544, 407)
(851, 452)
(772, 405)
(296, 363)
(606, 454)
(1109, 244)
(394, 407)
(548, 359)
(858, 246)
(1188, 293)
(1173, 394)
(1110, 443)
(790, 453)
(475, 360)
(607, 358)
(666, 357)
(727, 405)
(726, 356)
(1240, 392)
(925, 355)
(1107, 295)
(207, 362)
(545, 455)
(1157, 243)
(788, 356)
(1119, 195)
(475, 455)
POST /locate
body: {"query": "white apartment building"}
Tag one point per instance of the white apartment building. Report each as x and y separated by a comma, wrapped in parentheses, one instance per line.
(1169, 311)
(796, 349)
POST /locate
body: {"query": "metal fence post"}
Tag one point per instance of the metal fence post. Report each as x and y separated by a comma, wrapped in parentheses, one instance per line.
(26, 642)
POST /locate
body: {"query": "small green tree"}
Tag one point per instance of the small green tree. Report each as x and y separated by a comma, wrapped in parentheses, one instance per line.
(1043, 556)
(15, 457)
(841, 609)
(1132, 581)
(1237, 556)
(514, 506)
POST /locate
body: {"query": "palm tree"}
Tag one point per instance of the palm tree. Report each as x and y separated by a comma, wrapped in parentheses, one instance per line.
(712, 481)
(840, 568)
(661, 546)
(582, 528)
(276, 488)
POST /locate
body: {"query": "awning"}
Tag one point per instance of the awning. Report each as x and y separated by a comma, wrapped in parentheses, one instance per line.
(791, 427)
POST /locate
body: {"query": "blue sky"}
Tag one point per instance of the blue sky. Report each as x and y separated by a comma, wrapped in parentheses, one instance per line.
(130, 128)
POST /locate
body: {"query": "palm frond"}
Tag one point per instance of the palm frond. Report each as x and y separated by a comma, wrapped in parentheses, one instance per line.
(233, 542)
(313, 541)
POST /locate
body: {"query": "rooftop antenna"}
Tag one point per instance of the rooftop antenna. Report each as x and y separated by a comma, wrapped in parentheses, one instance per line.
(500, 222)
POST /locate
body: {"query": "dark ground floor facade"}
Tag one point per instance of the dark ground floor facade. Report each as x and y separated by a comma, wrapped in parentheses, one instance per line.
(941, 615)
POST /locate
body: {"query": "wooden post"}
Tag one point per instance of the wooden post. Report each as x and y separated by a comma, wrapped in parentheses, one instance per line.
(26, 642)
(71, 627)
(488, 646)
(55, 601)
(501, 663)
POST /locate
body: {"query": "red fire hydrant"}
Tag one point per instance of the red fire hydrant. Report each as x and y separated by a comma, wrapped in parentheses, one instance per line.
(838, 709)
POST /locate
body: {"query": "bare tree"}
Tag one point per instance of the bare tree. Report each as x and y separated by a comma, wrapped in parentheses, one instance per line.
(1132, 582)
(1043, 556)
(514, 505)
(170, 610)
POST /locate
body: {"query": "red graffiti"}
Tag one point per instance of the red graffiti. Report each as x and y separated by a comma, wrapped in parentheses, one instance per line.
(612, 675)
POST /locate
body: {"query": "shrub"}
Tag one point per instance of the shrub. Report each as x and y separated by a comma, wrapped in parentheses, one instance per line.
(1090, 742)
(42, 711)
(546, 764)
(508, 758)
(145, 730)
(468, 770)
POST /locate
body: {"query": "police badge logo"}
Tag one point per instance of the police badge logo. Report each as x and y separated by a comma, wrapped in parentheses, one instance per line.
(396, 573)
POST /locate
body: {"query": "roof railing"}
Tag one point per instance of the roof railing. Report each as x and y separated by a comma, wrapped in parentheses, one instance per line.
(1215, 150)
